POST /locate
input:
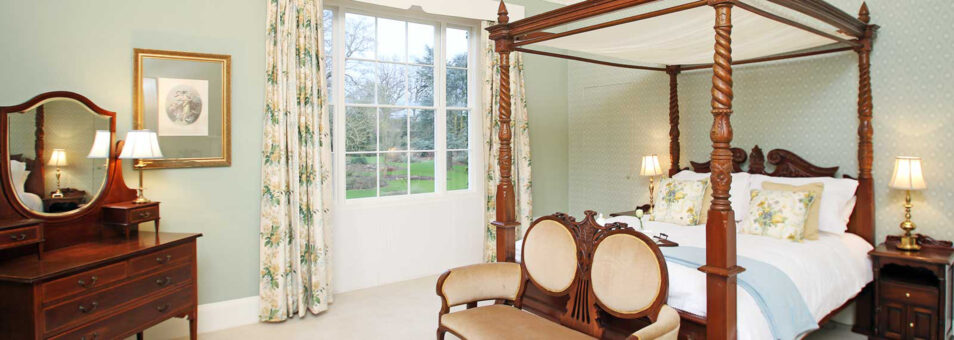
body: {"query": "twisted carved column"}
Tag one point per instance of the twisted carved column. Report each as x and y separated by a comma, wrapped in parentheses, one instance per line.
(505, 198)
(720, 268)
(674, 148)
(864, 214)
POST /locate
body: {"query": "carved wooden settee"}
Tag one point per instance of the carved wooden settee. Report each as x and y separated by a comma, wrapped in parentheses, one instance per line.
(604, 272)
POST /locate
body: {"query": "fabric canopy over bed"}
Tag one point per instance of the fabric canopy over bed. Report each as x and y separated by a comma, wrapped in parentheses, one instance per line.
(679, 35)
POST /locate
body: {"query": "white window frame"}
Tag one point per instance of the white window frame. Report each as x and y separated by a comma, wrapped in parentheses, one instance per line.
(475, 135)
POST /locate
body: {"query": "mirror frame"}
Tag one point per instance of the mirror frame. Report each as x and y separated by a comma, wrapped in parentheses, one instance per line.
(5, 174)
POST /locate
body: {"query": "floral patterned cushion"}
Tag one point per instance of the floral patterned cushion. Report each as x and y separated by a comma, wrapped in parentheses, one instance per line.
(679, 202)
(778, 214)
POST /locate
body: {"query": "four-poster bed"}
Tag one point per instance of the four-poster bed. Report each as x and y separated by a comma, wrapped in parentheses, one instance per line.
(768, 30)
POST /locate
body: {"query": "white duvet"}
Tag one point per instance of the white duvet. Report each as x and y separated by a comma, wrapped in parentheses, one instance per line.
(828, 271)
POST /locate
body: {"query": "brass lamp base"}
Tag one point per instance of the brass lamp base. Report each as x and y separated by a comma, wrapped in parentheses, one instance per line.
(908, 241)
(57, 194)
(140, 198)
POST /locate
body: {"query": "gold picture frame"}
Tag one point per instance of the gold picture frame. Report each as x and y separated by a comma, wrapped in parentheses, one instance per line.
(196, 129)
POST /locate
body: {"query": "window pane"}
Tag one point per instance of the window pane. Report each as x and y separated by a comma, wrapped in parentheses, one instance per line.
(457, 170)
(457, 47)
(393, 129)
(359, 82)
(393, 173)
(422, 130)
(457, 129)
(421, 79)
(422, 172)
(420, 43)
(359, 36)
(392, 84)
(361, 176)
(456, 87)
(391, 43)
(331, 126)
(360, 132)
(327, 22)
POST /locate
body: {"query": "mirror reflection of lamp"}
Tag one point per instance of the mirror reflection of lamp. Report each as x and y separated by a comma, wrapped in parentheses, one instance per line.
(100, 149)
(140, 145)
(58, 159)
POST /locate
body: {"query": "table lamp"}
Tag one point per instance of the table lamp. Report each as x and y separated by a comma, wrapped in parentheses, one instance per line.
(651, 169)
(101, 144)
(58, 159)
(907, 176)
(140, 145)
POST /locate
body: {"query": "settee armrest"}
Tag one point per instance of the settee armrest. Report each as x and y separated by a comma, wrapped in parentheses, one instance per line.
(666, 326)
(479, 282)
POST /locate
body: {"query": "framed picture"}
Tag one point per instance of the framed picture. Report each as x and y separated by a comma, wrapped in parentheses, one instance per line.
(186, 98)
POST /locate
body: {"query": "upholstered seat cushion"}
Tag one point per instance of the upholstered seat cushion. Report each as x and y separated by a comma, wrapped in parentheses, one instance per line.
(505, 322)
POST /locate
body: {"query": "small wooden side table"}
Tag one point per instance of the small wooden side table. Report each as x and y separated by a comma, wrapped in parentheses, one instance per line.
(644, 208)
(129, 215)
(912, 291)
(74, 196)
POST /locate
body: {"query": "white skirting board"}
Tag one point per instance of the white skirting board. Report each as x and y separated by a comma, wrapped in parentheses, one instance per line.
(212, 317)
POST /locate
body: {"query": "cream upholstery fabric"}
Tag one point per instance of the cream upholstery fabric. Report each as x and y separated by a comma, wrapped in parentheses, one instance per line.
(625, 274)
(549, 253)
(496, 322)
(666, 326)
(479, 282)
(811, 223)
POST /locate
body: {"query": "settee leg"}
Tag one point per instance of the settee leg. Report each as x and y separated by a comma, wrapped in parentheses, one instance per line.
(440, 334)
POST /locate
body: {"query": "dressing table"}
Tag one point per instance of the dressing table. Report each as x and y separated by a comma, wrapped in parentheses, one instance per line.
(71, 276)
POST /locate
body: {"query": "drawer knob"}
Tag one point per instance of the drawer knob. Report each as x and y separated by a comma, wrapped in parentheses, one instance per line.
(162, 282)
(84, 284)
(19, 237)
(907, 295)
(93, 336)
(162, 308)
(911, 324)
(87, 310)
(144, 214)
(163, 259)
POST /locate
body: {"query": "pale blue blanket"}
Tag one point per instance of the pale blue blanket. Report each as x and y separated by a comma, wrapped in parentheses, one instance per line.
(775, 293)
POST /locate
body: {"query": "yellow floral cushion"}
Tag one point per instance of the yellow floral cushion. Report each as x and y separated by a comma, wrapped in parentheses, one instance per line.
(779, 214)
(679, 202)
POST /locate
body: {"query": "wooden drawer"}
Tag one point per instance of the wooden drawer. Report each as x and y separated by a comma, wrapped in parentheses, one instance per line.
(103, 302)
(130, 321)
(83, 282)
(143, 214)
(13, 237)
(162, 259)
(909, 294)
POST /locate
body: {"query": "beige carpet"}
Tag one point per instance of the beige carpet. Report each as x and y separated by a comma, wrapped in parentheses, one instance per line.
(404, 310)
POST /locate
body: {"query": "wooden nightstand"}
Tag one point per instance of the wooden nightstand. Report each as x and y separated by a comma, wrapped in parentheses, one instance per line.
(70, 196)
(644, 208)
(129, 215)
(912, 291)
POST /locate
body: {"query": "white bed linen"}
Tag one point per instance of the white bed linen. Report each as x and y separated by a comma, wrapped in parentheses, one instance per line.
(31, 200)
(827, 271)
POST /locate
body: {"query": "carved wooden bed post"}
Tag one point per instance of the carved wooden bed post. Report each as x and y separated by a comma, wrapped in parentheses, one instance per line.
(506, 222)
(864, 213)
(673, 72)
(721, 268)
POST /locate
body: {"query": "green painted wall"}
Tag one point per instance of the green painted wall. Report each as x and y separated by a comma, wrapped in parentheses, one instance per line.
(546, 84)
(87, 47)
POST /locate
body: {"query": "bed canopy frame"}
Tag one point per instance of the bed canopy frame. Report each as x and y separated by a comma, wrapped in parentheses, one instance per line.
(853, 34)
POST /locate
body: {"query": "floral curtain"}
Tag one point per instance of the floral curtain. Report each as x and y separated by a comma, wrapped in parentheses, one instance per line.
(296, 165)
(521, 141)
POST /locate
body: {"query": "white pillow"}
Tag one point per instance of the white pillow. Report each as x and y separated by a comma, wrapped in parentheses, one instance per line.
(739, 190)
(836, 195)
(18, 170)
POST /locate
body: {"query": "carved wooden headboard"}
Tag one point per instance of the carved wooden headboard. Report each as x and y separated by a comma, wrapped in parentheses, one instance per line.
(788, 164)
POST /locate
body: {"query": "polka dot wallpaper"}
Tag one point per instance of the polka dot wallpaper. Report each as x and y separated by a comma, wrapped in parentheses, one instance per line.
(808, 106)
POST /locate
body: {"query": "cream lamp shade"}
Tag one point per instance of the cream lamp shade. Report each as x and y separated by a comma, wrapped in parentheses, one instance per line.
(907, 174)
(57, 158)
(141, 144)
(101, 143)
(650, 166)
